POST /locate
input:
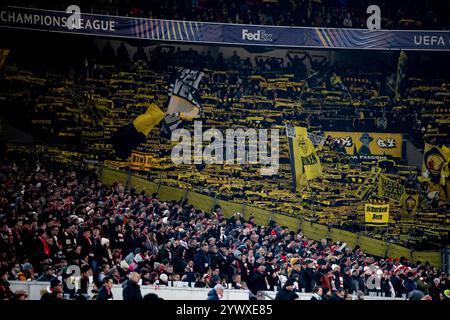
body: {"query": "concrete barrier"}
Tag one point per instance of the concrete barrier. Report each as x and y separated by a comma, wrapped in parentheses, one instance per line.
(34, 289)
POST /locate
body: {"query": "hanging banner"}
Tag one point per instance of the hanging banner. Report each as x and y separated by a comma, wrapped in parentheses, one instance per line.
(368, 145)
(376, 214)
(220, 33)
(410, 202)
(370, 184)
(435, 168)
(434, 160)
(389, 188)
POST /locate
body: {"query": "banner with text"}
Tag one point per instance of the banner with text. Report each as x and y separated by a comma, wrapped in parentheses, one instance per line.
(220, 33)
(368, 145)
(376, 214)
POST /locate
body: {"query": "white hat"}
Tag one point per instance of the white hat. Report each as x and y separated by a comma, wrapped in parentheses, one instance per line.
(124, 264)
(104, 241)
(163, 277)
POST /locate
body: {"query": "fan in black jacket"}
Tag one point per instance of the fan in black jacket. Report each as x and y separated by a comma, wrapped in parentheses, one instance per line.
(105, 292)
(287, 292)
(131, 289)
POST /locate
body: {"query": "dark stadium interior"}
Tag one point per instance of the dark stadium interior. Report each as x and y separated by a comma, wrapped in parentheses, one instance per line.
(63, 96)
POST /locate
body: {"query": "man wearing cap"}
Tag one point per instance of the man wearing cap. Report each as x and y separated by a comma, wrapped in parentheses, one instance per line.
(258, 281)
(287, 292)
(47, 274)
(54, 291)
(216, 293)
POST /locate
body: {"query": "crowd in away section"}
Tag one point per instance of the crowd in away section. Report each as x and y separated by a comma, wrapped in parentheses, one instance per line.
(53, 216)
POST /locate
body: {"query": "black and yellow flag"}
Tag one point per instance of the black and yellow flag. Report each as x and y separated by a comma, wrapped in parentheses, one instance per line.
(305, 163)
(401, 74)
(129, 136)
(370, 184)
(183, 104)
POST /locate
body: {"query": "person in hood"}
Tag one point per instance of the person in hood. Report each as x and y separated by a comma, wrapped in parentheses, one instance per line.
(216, 293)
(287, 292)
(131, 288)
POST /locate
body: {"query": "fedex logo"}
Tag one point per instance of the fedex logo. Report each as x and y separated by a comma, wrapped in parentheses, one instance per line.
(259, 35)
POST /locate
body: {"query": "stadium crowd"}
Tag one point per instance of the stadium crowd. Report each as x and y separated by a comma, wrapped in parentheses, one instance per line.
(52, 216)
(73, 110)
(429, 14)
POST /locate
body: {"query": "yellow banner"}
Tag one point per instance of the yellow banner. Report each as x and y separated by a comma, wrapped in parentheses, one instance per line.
(305, 162)
(435, 167)
(377, 214)
(367, 145)
(389, 188)
(409, 204)
(434, 160)
(365, 190)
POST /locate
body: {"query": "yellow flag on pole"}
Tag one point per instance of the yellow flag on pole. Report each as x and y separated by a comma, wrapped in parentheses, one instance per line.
(305, 162)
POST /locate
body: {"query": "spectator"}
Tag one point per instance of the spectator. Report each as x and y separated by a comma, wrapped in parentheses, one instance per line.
(54, 291)
(435, 290)
(349, 285)
(317, 294)
(216, 293)
(287, 292)
(5, 291)
(258, 281)
(47, 274)
(105, 292)
(338, 295)
(131, 289)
